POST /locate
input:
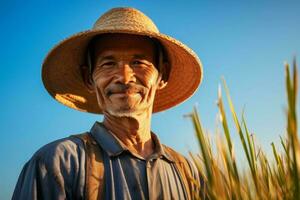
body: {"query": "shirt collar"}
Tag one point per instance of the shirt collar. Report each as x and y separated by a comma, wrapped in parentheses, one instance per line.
(114, 147)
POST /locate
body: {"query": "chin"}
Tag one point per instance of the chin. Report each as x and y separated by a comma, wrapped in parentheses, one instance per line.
(122, 113)
(126, 111)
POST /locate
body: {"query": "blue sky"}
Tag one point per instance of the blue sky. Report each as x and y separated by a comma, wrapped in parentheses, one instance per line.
(247, 43)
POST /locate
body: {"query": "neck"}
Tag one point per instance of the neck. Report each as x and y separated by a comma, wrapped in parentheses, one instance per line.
(134, 132)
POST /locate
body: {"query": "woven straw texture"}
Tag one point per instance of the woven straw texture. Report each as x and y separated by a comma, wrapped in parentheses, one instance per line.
(61, 68)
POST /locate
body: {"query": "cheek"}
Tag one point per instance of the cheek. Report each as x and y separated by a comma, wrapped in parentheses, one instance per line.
(99, 90)
(102, 79)
(147, 76)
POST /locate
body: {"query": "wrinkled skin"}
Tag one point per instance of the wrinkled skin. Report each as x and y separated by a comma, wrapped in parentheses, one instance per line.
(125, 81)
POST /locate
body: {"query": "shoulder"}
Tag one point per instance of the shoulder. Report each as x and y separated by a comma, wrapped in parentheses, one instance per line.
(62, 154)
(176, 156)
(65, 146)
(59, 164)
(179, 158)
(188, 165)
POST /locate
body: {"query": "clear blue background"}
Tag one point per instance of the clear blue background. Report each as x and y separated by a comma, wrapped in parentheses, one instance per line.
(246, 42)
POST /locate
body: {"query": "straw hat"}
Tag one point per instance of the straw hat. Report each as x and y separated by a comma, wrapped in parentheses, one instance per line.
(61, 68)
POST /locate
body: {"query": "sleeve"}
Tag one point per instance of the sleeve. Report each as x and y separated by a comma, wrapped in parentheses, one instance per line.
(55, 172)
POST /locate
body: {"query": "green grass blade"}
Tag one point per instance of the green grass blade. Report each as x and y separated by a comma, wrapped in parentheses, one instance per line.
(227, 134)
(203, 145)
(291, 87)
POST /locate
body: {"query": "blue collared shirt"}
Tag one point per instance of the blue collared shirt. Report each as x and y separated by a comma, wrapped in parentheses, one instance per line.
(57, 171)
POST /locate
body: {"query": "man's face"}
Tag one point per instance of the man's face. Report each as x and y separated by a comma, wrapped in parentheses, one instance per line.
(124, 75)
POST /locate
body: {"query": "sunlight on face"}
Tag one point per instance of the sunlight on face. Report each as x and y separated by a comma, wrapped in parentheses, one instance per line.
(124, 74)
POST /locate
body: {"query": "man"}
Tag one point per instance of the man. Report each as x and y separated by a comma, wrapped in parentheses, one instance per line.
(124, 69)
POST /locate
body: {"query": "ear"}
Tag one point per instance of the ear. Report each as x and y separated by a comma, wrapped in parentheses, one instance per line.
(162, 84)
(87, 79)
(163, 75)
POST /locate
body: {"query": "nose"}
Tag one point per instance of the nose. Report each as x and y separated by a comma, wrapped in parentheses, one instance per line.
(126, 73)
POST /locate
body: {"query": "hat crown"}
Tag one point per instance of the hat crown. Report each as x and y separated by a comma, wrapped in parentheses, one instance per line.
(127, 19)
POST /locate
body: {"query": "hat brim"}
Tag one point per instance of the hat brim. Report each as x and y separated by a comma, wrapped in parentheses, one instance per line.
(62, 78)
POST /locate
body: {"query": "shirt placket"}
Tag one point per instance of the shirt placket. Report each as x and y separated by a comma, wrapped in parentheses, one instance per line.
(149, 177)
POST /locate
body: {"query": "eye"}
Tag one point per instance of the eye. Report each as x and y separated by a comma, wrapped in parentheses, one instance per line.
(108, 64)
(139, 63)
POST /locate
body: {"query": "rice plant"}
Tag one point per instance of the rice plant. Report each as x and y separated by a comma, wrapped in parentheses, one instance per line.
(263, 178)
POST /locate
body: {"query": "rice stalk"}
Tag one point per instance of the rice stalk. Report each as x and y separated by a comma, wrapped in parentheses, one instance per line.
(266, 178)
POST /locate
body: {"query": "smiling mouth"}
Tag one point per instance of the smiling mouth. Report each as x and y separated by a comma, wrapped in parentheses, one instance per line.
(122, 90)
(123, 93)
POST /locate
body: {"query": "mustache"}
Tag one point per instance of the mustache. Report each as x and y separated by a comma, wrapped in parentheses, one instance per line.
(124, 88)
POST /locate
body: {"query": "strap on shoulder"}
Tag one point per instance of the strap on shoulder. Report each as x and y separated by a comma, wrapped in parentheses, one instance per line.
(94, 167)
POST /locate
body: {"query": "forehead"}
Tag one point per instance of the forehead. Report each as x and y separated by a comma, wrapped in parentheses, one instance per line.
(123, 43)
